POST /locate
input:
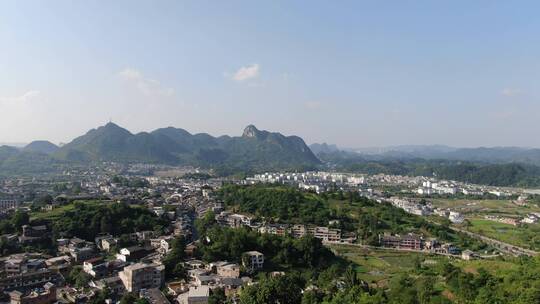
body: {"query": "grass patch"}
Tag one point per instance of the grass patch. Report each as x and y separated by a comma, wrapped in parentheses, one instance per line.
(378, 266)
(58, 211)
(527, 236)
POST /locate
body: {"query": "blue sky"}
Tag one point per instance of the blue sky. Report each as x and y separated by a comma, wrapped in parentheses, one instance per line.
(355, 73)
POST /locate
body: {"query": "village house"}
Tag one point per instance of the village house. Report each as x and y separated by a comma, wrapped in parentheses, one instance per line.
(195, 295)
(43, 295)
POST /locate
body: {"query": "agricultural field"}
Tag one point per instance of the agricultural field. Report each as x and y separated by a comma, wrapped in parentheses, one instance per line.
(471, 207)
(525, 235)
(378, 265)
(497, 267)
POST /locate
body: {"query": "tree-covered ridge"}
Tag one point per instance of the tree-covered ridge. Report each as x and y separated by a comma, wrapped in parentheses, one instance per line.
(87, 220)
(22, 162)
(222, 243)
(354, 213)
(281, 204)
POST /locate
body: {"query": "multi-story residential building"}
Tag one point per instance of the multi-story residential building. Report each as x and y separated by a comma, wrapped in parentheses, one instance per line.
(142, 276)
(298, 231)
(277, 229)
(15, 265)
(233, 220)
(34, 231)
(28, 279)
(325, 234)
(253, 260)
(162, 244)
(8, 204)
(409, 241)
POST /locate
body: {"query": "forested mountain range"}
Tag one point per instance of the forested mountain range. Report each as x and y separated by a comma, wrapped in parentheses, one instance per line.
(254, 150)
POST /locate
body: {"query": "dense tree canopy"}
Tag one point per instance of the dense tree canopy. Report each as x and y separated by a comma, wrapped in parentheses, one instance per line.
(280, 252)
(88, 220)
(283, 204)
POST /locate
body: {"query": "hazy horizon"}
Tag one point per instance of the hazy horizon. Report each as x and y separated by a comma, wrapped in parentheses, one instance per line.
(358, 75)
(365, 149)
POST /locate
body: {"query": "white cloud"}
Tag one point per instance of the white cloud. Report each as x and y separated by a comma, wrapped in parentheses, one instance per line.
(246, 73)
(147, 86)
(510, 92)
(21, 98)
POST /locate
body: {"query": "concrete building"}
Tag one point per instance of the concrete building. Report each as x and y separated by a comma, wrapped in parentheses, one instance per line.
(253, 260)
(142, 276)
(409, 241)
(44, 295)
(456, 217)
(28, 280)
(326, 234)
(228, 270)
(8, 204)
(195, 295)
(132, 253)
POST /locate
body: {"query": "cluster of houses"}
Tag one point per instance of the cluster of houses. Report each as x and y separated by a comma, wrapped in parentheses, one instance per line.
(531, 218)
(36, 278)
(432, 186)
(325, 234)
(429, 188)
(314, 181)
(205, 277)
(411, 206)
(326, 181)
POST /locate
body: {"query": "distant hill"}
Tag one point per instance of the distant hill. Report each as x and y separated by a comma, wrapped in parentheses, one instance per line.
(42, 146)
(481, 154)
(7, 152)
(15, 161)
(323, 148)
(254, 149)
(485, 171)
